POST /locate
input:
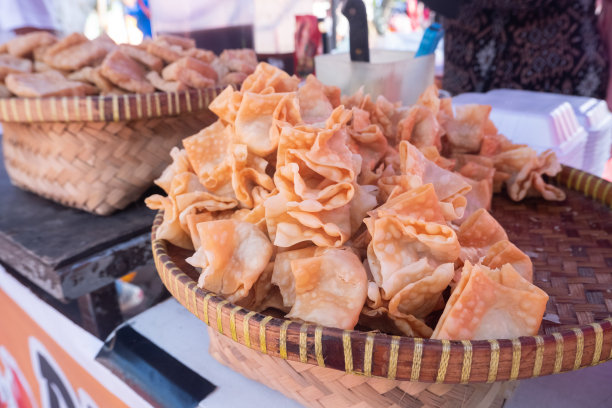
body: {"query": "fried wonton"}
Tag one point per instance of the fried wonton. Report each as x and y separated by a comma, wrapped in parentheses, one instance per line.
(466, 131)
(191, 71)
(4, 92)
(150, 61)
(13, 65)
(74, 52)
(314, 104)
(233, 254)
(526, 169)
(208, 153)
(242, 60)
(491, 304)
(186, 197)
(126, 73)
(24, 45)
(163, 85)
(420, 127)
(505, 252)
(267, 76)
(49, 83)
(478, 233)
(366, 140)
(450, 187)
(330, 288)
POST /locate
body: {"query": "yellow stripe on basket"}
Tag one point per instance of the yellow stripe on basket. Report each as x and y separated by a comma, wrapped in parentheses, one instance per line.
(367, 355)
(443, 361)
(187, 297)
(598, 343)
(596, 188)
(4, 109)
(417, 354)
(393, 357)
(89, 107)
(578, 180)
(494, 363)
(194, 291)
(282, 339)
(205, 307)
(200, 102)
(169, 102)
(176, 280)
(188, 100)
(579, 347)
(139, 106)
(233, 322)
(570, 179)
(77, 111)
(157, 104)
(516, 359)
(101, 109)
(539, 357)
(177, 102)
(262, 334)
(28, 113)
(54, 117)
(149, 106)
(65, 108)
(207, 98)
(126, 107)
(588, 184)
(319, 346)
(558, 352)
(348, 351)
(466, 368)
(304, 343)
(604, 198)
(39, 112)
(115, 105)
(245, 329)
(14, 109)
(220, 315)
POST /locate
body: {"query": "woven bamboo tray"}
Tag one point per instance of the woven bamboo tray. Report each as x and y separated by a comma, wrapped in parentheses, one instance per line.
(572, 256)
(97, 153)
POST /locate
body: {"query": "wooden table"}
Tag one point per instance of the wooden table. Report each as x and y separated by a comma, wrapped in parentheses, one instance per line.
(71, 255)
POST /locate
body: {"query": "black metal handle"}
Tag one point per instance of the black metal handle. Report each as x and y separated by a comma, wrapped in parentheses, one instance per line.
(355, 12)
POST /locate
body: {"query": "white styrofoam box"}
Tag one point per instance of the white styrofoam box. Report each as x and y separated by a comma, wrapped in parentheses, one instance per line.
(542, 123)
(592, 114)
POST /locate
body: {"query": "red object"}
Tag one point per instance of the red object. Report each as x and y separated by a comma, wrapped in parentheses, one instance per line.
(307, 44)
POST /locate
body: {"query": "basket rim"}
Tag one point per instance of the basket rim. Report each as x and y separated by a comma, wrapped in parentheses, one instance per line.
(106, 108)
(405, 358)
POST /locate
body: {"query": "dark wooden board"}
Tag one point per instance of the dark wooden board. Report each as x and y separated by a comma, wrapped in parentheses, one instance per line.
(68, 252)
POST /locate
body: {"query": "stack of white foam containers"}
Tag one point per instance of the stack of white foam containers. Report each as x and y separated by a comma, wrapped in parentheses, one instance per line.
(578, 129)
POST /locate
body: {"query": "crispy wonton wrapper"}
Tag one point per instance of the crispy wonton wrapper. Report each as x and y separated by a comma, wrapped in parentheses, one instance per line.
(233, 254)
(491, 304)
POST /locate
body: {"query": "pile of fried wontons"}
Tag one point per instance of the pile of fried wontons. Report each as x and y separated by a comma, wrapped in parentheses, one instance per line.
(345, 211)
(39, 64)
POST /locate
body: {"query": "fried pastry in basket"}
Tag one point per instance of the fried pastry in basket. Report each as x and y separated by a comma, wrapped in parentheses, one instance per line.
(124, 72)
(491, 304)
(24, 45)
(13, 65)
(363, 212)
(49, 83)
(74, 52)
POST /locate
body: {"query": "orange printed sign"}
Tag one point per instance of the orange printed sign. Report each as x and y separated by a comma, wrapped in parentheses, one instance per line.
(36, 372)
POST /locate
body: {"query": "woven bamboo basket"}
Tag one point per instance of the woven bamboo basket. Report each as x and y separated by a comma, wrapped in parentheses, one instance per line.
(324, 367)
(97, 153)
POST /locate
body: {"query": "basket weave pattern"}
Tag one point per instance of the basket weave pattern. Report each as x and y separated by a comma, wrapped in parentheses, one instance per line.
(97, 154)
(315, 386)
(572, 257)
